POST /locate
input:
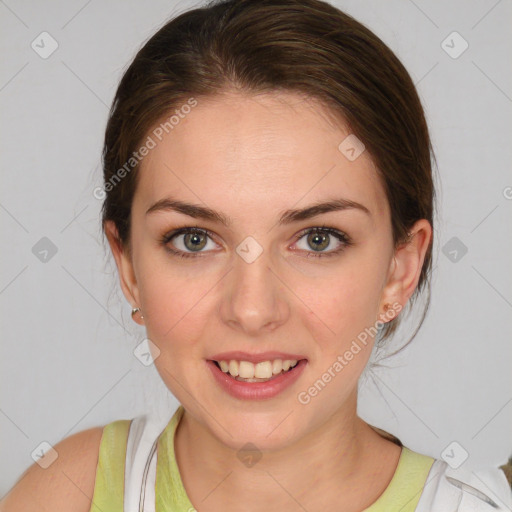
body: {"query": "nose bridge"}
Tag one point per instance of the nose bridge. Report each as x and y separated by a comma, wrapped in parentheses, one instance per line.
(254, 300)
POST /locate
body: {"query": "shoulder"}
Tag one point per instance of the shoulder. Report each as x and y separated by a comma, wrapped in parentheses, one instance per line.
(480, 489)
(68, 480)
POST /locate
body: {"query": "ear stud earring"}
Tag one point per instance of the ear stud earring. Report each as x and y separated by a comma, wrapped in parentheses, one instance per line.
(136, 310)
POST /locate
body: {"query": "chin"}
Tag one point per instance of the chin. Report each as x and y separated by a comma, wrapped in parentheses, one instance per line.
(268, 431)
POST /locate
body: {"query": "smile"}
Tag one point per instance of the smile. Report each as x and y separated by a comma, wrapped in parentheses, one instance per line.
(232, 379)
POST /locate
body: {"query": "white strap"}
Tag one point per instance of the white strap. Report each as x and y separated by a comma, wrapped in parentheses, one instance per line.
(147, 488)
(465, 490)
(140, 466)
(431, 491)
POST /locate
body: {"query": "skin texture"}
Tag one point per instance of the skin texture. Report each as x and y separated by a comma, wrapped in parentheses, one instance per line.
(251, 158)
(67, 484)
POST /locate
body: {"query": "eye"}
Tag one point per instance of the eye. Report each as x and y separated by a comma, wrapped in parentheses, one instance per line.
(188, 239)
(323, 238)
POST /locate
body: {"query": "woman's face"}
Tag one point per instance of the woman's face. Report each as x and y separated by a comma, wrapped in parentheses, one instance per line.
(262, 282)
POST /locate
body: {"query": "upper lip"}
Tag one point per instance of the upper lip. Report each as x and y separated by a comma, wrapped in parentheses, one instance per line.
(255, 358)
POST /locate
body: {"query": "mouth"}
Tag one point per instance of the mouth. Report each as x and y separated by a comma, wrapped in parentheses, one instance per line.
(251, 387)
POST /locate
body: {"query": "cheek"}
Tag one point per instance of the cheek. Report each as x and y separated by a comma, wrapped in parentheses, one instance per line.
(343, 304)
(341, 321)
(174, 301)
(173, 307)
(175, 319)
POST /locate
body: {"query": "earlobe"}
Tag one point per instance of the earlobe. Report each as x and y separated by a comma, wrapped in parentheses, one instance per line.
(124, 265)
(405, 268)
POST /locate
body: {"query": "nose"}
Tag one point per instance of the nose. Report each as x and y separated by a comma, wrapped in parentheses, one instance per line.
(254, 296)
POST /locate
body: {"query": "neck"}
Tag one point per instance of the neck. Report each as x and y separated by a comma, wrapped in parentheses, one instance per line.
(330, 465)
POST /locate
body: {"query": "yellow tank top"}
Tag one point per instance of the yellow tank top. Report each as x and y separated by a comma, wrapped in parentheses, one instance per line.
(402, 493)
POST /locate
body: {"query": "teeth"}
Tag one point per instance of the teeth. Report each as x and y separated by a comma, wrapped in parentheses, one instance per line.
(233, 368)
(246, 370)
(261, 370)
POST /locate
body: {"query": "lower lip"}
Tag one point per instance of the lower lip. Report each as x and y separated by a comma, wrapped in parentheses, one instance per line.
(256, 390)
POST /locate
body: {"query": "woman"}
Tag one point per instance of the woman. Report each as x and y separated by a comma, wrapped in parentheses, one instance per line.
(269, 205)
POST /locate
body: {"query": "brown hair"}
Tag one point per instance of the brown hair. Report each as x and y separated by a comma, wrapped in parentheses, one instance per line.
(258, 46)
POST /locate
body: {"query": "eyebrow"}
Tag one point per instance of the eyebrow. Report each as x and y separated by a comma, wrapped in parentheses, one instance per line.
(287, 217)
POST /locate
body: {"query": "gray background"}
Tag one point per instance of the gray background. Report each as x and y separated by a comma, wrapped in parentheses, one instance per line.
(67, 342)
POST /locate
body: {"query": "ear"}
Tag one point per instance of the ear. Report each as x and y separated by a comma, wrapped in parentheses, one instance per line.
(124, 267)
(405, 267)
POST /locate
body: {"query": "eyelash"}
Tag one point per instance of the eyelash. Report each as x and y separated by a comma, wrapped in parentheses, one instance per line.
(342, 237)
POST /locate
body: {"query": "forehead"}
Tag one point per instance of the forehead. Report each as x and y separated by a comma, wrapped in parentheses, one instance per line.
(275, 150)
